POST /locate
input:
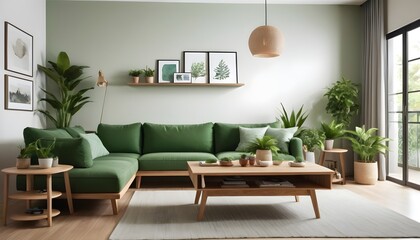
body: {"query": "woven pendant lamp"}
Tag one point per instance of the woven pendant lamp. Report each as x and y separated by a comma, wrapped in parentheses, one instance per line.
(265, 41)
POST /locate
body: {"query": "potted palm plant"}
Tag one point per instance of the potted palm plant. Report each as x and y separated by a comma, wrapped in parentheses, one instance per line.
(44, 153)
(135, 74)
(264, 148)
(332, 130)
(148, 74)
(367, 145)
(312, 139)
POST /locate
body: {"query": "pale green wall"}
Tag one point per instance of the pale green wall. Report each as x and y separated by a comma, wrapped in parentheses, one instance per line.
(322, 43)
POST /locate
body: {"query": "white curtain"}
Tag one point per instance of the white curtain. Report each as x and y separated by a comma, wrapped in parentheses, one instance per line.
(373, 71)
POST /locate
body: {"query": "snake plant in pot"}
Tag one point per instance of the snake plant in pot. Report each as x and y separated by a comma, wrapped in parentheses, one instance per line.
(264, 148)
(69, 100)
(332, 130)
(368, 146)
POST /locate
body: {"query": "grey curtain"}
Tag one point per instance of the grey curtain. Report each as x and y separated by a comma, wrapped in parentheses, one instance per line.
(373, 67)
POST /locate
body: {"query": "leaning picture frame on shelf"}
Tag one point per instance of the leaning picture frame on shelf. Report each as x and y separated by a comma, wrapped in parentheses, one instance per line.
(182, 77)
(223, 68)
(197, 63)
(166, 70)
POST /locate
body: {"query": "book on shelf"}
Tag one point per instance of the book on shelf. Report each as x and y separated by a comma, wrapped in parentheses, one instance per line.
(274, 182)
(234, 185)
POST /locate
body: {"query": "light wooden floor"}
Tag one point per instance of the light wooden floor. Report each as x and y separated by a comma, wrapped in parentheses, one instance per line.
(93, 220)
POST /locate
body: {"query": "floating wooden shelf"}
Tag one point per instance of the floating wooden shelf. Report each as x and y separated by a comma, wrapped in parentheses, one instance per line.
(186, 84)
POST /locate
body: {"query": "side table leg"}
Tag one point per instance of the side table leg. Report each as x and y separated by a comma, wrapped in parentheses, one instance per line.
(343, 168)
(5, 197)
(322, 158)
(29, 180)
(68, 192)
(49, 200)
(202, 206)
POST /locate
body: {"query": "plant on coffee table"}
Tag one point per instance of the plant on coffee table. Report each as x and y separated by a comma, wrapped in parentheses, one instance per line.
(264, 148)
(226, 161)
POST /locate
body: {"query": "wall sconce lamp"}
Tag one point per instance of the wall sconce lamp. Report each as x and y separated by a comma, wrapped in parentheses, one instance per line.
(265, 41)
(101, 82)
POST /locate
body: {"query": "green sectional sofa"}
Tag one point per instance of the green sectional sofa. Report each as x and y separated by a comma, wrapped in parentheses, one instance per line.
(106, 163)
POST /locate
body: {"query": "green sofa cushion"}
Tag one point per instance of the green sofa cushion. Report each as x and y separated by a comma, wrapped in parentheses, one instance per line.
(105, 176)
(178, 138)
(247, 136)
(171, 161)
(121, 138)
(72, 151)
(32, 134)
(75, 131)
(96, 147)
(226, 135)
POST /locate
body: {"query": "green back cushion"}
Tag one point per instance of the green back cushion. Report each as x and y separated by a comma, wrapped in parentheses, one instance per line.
(178, 138)
(72, 151)
(226, 135)
(248, 136)
(121, 138)
(32, 134)
(75, 131)
(96, 147)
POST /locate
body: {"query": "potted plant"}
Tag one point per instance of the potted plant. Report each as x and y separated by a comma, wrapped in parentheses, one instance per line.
(332, 131)
(243, 161)
(343, 98)
(367, 145)
(312, 139)
(251, 159)
(135, 74)
(66, 101)
(148, 74)
(226, 161)
(23, 160)
(44, 153)
(264, 148)
(295, 119)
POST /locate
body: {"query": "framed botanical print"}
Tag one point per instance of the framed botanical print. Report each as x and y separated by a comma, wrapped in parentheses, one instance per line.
(166, 70)
(223, 67)
(18, 50)
(196, 62)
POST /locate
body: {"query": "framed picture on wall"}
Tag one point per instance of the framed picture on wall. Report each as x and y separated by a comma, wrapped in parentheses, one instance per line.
(182, 77)
(166, 70)
(18, 93)
(196, 62)
(18, 50)
(223, 67)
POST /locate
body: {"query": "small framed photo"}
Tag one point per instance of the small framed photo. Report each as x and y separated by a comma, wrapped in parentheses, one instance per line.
(18, 50)
(196, 62)
(182, 77)
(18, 93)
(223, 67)
(166, 70)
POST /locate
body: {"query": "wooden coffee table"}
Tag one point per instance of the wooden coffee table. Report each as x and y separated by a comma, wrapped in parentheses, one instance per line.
(208, 180)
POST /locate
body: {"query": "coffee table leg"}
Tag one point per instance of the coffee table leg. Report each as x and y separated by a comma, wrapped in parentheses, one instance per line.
(314, 203)
(297, 198)
(5, 197)
(197, 196)
(202, 206)
(68, 192)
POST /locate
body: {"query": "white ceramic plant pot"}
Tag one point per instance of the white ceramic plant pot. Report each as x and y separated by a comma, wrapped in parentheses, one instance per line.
(149, 79)
(23, 163)
(310, 157)
(365, 173)
(45, 162)
(329, 144)
(263, 155)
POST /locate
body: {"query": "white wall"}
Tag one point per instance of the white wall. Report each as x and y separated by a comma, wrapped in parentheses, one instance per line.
(322, 43)
(401, 12)
(29, 15)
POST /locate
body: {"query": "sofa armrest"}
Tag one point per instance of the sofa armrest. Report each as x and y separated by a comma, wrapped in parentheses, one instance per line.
(295, 148)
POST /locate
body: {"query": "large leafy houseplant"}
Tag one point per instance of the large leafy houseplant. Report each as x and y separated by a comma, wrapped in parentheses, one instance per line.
(295, 119)
(264, 143)
(366, 143)
(343, 98)
(68, 101)
(312, 139)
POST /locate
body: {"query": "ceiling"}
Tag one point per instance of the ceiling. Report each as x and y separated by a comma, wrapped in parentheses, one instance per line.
(325, 2)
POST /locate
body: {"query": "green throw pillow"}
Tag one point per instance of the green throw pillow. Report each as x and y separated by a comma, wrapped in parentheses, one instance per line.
(283, 136)
(247, 136)
(96, 146)
(72, 151)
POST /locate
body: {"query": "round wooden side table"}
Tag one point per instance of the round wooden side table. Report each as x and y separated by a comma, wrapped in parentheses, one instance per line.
(341, 153)
(29, 194)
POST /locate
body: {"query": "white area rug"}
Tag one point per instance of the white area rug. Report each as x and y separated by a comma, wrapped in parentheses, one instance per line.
(172, 215)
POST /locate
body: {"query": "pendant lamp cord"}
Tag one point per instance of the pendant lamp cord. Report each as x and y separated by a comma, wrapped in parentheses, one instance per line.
(265, 12)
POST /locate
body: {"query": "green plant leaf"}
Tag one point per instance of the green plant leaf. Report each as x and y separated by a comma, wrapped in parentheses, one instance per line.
(63, 62)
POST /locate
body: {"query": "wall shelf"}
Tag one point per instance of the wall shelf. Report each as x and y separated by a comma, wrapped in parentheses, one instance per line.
(186, 84)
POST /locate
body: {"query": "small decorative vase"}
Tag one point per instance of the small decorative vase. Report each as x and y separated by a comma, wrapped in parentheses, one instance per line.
(251, 161)
(136, 79)
(226, 163)
(297, 164)
(45, 162)
(149, 79)
(263, 155)
(310, 157)
(266, 163)
(22, 163)
(55, 162)
(243, 162)
(329, 144)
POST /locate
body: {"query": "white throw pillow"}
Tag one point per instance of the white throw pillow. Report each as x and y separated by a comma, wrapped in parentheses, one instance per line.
(283, 136)
(248, 136)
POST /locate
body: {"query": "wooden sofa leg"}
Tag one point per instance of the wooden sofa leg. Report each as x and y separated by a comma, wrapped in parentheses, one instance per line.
(114, 204)
(138, 181)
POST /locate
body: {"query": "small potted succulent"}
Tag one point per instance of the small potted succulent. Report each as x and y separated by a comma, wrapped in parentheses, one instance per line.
(243, 161)
(44, 153)
(226, 161)
(135, 74)
(148, 74)
(23, 160)
(332, 130)
(264, 148)
(251, 159)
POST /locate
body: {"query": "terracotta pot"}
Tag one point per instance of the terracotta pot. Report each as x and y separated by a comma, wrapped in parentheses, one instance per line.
(251, 161)
(45, 162)
(149, 79)
(243, 162)
(329, 144)
(226, 163)
(23, 163)
(263, 155)
(365, 173)
(136, 79)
